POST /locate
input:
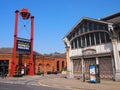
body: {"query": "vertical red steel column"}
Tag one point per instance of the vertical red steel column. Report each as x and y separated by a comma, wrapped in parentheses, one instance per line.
(13, 64)
(31, 69)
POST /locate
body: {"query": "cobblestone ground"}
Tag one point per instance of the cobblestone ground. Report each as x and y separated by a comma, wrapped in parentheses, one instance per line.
(59, 81)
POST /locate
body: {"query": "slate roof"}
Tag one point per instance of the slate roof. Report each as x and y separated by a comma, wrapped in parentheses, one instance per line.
(10, 51)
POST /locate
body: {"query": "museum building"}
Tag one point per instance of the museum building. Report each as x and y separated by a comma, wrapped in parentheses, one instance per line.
(94, 41)
(43, 64)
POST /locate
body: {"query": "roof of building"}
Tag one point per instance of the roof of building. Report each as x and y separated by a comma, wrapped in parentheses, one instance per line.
(50, 56)
(6, 50)
(111, 16)
(114, 18)
(81, 20)
(10, 51)
(58, 55)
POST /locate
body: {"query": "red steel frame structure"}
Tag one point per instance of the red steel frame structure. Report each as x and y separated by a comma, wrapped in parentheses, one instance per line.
(31, 63)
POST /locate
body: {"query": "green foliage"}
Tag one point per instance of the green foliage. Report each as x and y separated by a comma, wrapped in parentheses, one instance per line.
(64, 69)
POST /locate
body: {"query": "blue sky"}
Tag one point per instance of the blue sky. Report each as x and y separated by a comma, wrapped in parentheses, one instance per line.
(53, 19)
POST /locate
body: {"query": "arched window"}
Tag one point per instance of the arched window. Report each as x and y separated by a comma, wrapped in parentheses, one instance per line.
(39, 67)
(63, 64)
(58, 65)
(48, 65)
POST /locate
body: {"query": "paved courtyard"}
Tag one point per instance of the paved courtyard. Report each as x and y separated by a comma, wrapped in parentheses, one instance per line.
(59, 81)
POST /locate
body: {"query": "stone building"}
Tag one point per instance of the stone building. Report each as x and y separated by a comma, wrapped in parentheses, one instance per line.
(42, 63)
(94, 41)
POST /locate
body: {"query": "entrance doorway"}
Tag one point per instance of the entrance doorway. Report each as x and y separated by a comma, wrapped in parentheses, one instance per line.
(4, 67)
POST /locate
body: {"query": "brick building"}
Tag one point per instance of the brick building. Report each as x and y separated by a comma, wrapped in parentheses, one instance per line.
(42, 63)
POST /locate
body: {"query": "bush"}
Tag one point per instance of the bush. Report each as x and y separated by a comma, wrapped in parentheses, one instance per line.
(40, 73)
(55, 72)
(50, 72)
(17, 75)
(64, 69)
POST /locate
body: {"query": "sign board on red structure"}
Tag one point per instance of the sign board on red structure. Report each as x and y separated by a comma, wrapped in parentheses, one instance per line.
(23, 46)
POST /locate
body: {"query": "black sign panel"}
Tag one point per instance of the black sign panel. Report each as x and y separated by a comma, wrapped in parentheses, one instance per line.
(23, 46)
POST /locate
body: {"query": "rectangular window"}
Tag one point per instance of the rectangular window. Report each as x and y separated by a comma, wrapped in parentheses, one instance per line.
(92, 39)
(90, 26)
(72, 45)
(79, 40)
(106, 27)
(87, 40)
(98, 27)
(81, 29)
(75, 43)
(102, 36)
(85, 26)
(107, 37)
(83, 41)
(93, 26)
(73, 35)
(101, 27)
(119, 36)
(76, 32)
(97, 37)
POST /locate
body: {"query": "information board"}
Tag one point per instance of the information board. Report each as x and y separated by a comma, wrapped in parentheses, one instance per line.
(92, 74)
(23, 46)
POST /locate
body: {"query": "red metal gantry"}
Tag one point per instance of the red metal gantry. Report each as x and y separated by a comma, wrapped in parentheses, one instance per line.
(25, 15)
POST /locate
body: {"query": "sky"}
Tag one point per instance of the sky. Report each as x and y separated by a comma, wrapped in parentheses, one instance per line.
(53, 20)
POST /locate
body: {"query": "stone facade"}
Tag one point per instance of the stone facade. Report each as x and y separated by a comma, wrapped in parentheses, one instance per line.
(93, 41)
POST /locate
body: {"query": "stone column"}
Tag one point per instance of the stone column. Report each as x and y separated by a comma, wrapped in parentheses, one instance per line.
(69, 64)
(97, 61)
(116, 58)
(83, 70)
(114, 31)
(113, 67)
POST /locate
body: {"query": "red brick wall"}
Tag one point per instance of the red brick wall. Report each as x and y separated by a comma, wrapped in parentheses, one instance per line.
(42, 63)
